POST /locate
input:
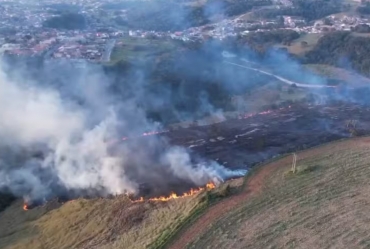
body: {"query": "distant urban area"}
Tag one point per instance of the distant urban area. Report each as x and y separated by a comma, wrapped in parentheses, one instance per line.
(90, 29)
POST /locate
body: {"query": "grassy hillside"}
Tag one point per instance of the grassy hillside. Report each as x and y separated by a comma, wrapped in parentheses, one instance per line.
(102, 223)
(323, 205)
(98, 223)
(130, 49)
(300, 49)
(352, 77)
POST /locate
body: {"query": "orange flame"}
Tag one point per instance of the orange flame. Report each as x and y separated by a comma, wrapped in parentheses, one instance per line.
(25, 207)
(172, 196)
(249, 115)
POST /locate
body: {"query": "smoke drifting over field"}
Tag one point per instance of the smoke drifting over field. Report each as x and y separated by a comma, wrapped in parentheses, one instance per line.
(53, 145)
(61, 132)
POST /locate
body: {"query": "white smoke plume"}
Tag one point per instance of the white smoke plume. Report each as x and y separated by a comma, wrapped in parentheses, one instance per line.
(182, 167)
(73, 144)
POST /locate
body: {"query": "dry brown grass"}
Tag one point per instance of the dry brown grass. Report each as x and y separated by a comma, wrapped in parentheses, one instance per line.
(324, 205)
(98, 223)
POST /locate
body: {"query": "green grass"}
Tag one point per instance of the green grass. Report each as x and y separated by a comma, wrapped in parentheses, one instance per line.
(338, 73)
(298, 49)
(266, 96)
(323, 205)
(140, 48)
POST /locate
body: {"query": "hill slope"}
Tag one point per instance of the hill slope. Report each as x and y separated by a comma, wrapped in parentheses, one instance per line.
(323, 205)
(98, 223)
(104, 223)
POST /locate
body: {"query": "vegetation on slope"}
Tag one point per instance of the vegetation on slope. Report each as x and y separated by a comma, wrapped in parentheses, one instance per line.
(263, 41)
(307, 9)
(162, 15)
(69, 21)
(342, 49)
(5, 200)
(100, 223)
(365, 9)
(324, 204)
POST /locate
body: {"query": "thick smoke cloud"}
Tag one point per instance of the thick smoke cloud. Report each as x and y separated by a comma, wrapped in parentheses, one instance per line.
(60, 132)
(64, 140)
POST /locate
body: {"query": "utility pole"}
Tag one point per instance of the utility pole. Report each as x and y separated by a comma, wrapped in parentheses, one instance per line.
(294, 163)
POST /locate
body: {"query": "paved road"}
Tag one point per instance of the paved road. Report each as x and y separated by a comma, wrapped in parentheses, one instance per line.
(51, 50)
(108, 50)
(289, 82)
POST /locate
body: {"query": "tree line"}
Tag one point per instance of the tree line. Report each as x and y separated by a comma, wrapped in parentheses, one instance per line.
(171, 16)
(68, 21)
(307, 9)
(342, 49)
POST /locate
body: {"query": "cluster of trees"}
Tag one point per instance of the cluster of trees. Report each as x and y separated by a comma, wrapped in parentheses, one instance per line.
(238, 7)
(60, 8)
(307, 9)
(364, 9)
(68, 21)
(169, 17)
(361, 28)
(122, 5)
(344, 50)
(162, 15)
(150, 15)
(261, 42)
(270, 37)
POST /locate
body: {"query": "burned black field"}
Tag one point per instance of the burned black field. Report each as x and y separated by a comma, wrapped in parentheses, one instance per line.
(246, 140)
(250, 139)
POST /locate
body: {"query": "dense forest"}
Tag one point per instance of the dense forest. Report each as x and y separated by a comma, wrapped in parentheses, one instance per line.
(309, 10)
(365, 9)
(68, 21)
(361, 28)
(342, 49)
(162, 15)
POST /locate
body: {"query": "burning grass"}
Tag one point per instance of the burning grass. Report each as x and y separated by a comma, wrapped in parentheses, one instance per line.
(172, 196)
(99, 223)
(324, 204)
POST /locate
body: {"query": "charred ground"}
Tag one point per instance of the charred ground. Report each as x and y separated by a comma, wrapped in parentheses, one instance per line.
(321, 205)
(252, 138)
(248, 139)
